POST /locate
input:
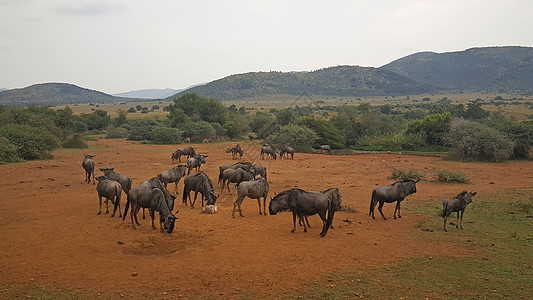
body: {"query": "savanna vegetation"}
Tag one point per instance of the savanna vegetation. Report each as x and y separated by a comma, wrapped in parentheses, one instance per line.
(463, 131)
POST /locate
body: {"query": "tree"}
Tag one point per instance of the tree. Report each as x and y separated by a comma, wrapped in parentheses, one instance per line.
(31, 142)
(327, 133)
(298, 137)
(434, 126)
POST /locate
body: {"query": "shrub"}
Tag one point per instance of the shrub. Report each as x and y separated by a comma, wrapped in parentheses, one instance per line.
(32, 143)
(451, 176)
(8, 151)
(117, 133)
(409, 174)
(75, 141)
(166, 135)
(472, 140)
(198, 131)
(298, 137)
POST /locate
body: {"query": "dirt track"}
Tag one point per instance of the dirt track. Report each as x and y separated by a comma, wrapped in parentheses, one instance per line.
(52, 237)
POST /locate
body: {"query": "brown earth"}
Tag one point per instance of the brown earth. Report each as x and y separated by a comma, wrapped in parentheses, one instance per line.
(52, 237)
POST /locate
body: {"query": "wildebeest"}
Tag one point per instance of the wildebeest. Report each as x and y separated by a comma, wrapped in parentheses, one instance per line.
(247, 166)
(325, 148)
(195, 162)
(124, 180)
(111, 191)
(235, 176)
(259, 170)
(287, 150)
(155, 183)
(88, 166)
(237, 150)
(172, 175)
(154, 199)
(187, 140)
(254, 189)
(395, 192)
(269, 151)
(188, 151)
(303, 203)
(199, 183)
(457, 204)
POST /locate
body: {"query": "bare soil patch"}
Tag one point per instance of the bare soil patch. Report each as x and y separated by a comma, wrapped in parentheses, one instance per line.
(52, 237)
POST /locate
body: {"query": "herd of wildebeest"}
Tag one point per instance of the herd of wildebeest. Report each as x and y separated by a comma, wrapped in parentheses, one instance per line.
(251, 181)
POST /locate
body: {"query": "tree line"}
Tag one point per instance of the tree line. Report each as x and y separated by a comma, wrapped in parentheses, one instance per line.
(463, 131)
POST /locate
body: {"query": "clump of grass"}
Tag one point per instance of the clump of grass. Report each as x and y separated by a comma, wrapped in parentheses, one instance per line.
(406, 174)
(75, 141)
(348, 209)
(448, 176)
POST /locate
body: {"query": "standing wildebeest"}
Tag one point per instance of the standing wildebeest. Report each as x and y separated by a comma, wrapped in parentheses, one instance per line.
(195, 162)
(259, 170)
(155, 183)
(124, 180)
(395, 192)
(254, 189)
(172, 175)
(199, 183)
(303, 203)
(268, 150)
(188, 151)
(236, 176)
(325, 148)
(457, 204)
(234, 151)
(154, 199)
(287, 150)
(88, 165)
(247, 166)
(111, 190)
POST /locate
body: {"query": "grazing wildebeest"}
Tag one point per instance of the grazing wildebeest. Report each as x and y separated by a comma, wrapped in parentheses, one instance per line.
(395, 192)
(199, 183)
(247, 166)
(188, 151)
(325, 148)
(111, 190)
(195, 162)
(287, 150)
(172, 175)
(259, 170)
(457, 204)
(254, 189)
(154, 199)
(269, 151)
(236, 176)
(250, 137)
(124, 180)
(234, 151)
(303, 203)
(88, 166)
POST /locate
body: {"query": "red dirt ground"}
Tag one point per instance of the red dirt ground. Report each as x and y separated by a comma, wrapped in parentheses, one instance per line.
(52, 237)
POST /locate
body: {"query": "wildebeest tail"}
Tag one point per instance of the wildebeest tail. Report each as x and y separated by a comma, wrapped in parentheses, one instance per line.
(331, 213)
(127, 207)
(372, 202)
(184, 195)
(444, 208)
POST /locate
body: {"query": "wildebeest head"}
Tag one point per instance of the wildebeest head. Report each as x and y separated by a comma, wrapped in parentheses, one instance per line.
(101, 178)
(410, 186)
(108, 171)
(466, 196)
(278, 203)
(88, 156)
(212, 198)
(168, 223)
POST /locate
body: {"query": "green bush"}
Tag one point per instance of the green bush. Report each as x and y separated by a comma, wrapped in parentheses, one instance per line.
(166, 135)
(472, 140)
(117, 133)
(298, 137)
(8, 151)
(32, 143)
(198, 131)
(409, 174)
(75, 141)
(451, 176)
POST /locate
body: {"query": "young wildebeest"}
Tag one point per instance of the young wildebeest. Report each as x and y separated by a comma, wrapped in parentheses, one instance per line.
(195, 162)
(124, 180)
(111, 190)
(247, 166)
(236, 176)
(234, 151)
(154, 199)
(303, 203)
(457, 204)
(269, 151)
(188, 151)
(254, 189)
(325, 148)
(172, 175)
(395, 192)
(199, 183)
(287, 150)
(88, 165)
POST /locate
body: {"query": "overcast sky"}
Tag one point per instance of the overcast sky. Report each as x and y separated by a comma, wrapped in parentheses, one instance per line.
(123, 45)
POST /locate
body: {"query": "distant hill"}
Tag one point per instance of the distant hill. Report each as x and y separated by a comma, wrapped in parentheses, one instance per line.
(3, 89)
(149, 93)
(56, 94)
(486, 69)
(334, 81)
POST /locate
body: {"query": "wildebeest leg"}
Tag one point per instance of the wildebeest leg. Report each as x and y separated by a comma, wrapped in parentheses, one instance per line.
(195, 196)
(397, 208)
(137, 208)
(307, 221)
(175, 188)
(293, 221)
(381, 211)
(152, 215)
(462, 213)
(100, 198)
(457, 223)
(300, 218)
(144, 217)
(445, 220)
(324, 219)
(107, 207)
(259, 203)
(132, 213)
